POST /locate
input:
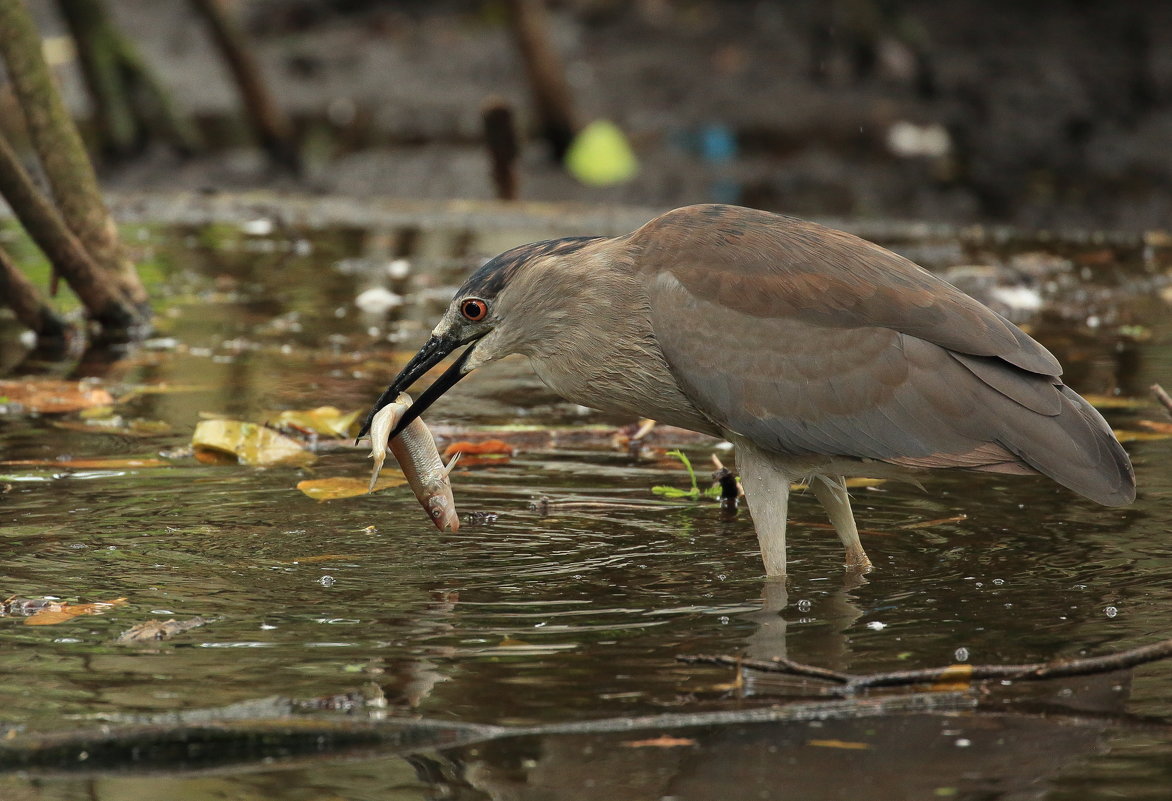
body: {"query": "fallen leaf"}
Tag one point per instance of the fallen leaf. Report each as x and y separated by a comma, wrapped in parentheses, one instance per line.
(844, 744)
(331, 489)
(59, 612)
(87, 464)
(662, 741)
(326, 420)
(155, 630)
(50, 396)
(489, 447)
(953, 678)
(250, 443)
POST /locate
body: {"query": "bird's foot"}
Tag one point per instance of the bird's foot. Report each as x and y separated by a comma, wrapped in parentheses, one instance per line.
(857, 560)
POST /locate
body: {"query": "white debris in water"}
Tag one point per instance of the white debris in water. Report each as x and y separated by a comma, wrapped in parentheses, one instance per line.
(963, 742)
(876, 625)
(377, 300)
(399, 268)
(261, 226)
(910, 140)
(1018, 298)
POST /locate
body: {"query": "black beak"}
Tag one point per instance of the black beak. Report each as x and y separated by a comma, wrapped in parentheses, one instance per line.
(434, 351)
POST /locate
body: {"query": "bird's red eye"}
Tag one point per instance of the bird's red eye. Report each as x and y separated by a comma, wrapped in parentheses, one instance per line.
(474, 309)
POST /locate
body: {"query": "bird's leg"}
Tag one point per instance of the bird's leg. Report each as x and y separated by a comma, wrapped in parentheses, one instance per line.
(767, 493)
(831, 493)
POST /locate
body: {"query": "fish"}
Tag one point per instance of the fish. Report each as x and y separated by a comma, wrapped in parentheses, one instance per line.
(419, 459)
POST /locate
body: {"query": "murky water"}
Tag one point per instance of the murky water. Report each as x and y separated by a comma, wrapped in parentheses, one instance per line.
(523, 619)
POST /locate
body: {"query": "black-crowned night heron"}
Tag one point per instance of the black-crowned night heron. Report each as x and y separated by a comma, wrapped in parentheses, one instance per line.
(819, 355)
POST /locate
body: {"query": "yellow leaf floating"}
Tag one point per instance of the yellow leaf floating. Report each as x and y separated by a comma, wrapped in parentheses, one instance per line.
(601, 156)
(954, 678)
(331, 489)
(326, 420)
(250, 443)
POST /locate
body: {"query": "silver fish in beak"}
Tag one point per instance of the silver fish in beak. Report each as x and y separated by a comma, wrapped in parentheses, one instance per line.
(419, 460)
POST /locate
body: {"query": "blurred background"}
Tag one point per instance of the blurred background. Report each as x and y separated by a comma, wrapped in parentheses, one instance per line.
(1047, 113)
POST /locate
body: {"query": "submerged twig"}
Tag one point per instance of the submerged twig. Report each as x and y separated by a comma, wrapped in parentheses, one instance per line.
(849, 683)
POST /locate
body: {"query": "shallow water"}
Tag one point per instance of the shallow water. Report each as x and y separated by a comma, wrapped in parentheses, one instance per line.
(577, 616)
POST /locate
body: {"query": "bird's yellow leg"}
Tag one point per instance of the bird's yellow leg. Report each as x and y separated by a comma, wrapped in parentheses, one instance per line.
(767, 493)
(831, 493)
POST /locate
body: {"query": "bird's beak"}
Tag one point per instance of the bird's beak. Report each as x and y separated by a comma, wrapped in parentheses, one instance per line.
(434, 351)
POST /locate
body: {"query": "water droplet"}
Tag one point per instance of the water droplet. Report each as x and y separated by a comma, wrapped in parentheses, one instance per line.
(327, 581)
(1110, 611)
(998, 582)
(804, 605)
(723, 620)
(961, 654)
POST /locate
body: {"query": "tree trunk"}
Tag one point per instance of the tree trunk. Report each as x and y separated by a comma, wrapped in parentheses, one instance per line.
(102, 298)
(130, 103)
(60, 149)
(268, 120)
(31, 310)
(547, 75)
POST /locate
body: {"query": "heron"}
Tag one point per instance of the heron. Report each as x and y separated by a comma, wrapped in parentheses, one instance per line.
(819, 355)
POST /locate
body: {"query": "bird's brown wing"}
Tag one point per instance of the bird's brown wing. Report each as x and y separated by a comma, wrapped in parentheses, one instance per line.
(854, 358)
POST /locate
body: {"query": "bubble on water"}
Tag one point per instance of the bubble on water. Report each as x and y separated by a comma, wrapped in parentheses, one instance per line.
(327, 581)
(961, 654)
(723, 620)
(998, 582)
(804, 605)
(876, 625)
(1110, 611)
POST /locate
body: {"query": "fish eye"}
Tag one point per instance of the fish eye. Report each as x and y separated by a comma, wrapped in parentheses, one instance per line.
(474, 309)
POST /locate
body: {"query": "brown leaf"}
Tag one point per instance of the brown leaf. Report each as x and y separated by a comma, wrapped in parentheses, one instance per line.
(489, 447)
(59, 612)
(50, 396)
(155, 630)
(662, 741)
(331, 489)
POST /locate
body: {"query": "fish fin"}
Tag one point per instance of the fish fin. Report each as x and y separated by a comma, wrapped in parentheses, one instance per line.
(448, 467)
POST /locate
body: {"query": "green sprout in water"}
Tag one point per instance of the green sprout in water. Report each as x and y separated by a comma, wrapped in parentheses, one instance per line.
(694, 493)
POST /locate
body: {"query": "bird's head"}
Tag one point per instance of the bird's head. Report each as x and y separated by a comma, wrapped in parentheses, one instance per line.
(510, 305)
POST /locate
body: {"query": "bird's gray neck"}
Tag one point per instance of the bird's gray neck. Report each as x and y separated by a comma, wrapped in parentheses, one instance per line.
(609, 359)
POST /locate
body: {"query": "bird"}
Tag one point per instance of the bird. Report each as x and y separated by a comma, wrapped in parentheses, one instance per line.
(818, 354)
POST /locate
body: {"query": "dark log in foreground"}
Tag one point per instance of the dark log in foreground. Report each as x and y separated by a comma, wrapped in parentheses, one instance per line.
(547, 74)
(27, 304)
(130, 104)
(850, 683)
(102, 298)
(268, 120)
(61, 152)
(500, 135)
